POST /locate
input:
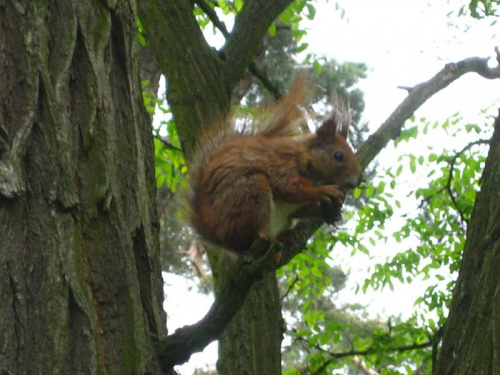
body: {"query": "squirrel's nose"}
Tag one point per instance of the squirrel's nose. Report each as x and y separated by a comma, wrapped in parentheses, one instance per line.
(352, 183)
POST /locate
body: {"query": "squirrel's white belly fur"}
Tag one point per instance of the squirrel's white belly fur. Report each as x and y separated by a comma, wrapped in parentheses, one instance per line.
(279, 218)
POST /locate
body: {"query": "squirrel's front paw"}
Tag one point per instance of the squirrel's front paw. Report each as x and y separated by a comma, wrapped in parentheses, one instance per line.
(331, 194)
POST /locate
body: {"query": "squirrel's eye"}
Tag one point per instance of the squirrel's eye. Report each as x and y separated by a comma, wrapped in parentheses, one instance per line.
(338, 156)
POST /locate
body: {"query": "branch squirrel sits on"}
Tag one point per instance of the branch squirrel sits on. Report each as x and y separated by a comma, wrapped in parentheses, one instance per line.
(250, 185)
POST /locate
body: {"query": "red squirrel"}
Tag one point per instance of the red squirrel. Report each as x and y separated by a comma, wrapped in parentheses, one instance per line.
(249, 186)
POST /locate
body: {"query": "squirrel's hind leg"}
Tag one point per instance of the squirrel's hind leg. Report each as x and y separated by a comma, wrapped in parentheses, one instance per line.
(244, 216)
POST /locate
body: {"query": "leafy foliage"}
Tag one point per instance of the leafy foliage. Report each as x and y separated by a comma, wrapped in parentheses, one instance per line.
(326, 337)
(482, 8)
(169, 159)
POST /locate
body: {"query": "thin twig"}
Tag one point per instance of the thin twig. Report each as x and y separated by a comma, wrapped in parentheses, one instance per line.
(337, 355)
(450, 177)
(266, 82)
(212, 15)
(167, 143)
(295, 281)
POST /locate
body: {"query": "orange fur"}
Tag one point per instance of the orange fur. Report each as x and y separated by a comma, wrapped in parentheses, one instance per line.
(249, 185)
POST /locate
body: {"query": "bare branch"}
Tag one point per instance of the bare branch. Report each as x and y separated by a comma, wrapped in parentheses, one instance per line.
(167, 144)
(289, 289)
(178, 347)
(262, 258)
(406, 88)
(160, 19)
(266, 82)
(184, 56)
(417, 96)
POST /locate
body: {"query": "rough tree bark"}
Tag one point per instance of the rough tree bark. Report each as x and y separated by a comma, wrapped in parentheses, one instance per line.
(80, 283)
(251, 343)
(471, 342)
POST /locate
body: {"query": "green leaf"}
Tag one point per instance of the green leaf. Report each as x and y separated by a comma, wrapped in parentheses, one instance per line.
(272, 29)
(399, 170)
(142, 40)
(301, 47)
(381, 187)
(311, 11)
(369, 191)
(357, 193)
(317, 67)
(316, 272)
(413, 166)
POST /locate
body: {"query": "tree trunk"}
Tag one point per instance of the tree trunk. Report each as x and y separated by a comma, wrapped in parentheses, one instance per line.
(471, 342)
(251, 344)
(197, 92)
(150, 70)
(80, 282)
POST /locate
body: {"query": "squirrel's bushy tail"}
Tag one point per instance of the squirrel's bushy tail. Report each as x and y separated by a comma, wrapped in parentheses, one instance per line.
(284, 118)
(211, 140)
(279, 120)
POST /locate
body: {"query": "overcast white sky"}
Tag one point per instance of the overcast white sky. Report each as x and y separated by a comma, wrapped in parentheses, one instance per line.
(403, 42)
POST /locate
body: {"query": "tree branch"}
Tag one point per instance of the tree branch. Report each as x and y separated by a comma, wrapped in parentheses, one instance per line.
(261, 76)
(184, 56)
(262, 258)
(167, 144)
(418, 95)
(212, 16)
(266, 82)
(250, 26)
(173, 21)
(351, 353)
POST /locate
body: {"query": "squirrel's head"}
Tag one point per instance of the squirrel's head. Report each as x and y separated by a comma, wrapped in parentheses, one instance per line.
(332, 160)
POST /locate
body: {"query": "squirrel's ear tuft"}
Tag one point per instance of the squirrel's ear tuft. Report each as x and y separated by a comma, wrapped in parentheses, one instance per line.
(328, 129)
(344, 130)
(342, 112)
